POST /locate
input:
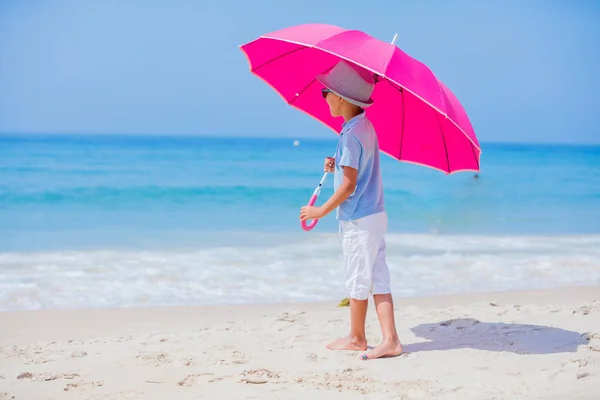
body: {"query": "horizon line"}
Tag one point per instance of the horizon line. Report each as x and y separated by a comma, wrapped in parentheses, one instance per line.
(259, 136)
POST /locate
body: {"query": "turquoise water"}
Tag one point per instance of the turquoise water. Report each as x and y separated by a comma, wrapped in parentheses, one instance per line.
(119, 221)
(100, 191)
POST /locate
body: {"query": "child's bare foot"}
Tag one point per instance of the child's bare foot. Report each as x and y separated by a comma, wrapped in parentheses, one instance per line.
(348, 343)
(387, 348)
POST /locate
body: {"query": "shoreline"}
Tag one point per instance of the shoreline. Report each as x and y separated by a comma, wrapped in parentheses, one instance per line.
(262, 238)
(457, 298)
(289, 272)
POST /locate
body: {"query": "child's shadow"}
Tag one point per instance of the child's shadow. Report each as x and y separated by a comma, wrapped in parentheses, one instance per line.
(495, 336)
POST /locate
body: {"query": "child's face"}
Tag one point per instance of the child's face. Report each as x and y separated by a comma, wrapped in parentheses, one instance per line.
(335, 104)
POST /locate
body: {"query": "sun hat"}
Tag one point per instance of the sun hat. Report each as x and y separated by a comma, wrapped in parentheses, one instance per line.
(351, 83)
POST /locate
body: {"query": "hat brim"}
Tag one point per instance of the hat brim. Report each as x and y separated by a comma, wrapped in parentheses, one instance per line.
(323, 79)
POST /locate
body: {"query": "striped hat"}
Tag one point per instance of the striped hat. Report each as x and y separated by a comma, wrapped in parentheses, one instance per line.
(351, 83)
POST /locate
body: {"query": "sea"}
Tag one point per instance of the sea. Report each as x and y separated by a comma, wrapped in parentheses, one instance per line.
(91, 221)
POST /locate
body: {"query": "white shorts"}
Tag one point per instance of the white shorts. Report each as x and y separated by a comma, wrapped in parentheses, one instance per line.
(363, 246)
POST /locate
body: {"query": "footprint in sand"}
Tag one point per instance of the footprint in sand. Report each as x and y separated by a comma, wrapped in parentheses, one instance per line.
(39, 360)
(188, 362)
(193, 379)
(346, 380)
(581, 362)
(122, 339)
(594, 348)
(78, 354)
(76, 385)
(126, 394)
(157, 338)
(587, 309)
(31, 356)
(259, 376)
(157, 359)
(312, 357)
(582, 375)
(593, 340)
(460, 323)
(45, 377)
(230, 356)
(591, 336)
(290, 316)
(15, 352)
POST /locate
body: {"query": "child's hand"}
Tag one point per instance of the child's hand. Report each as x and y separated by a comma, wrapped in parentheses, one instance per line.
(310, 212)
(329, 164)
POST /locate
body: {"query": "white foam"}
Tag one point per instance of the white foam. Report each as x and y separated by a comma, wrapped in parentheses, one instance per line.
(309, 270)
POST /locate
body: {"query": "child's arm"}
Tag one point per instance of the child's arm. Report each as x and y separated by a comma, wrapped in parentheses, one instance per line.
(343, 191)
(349, 160)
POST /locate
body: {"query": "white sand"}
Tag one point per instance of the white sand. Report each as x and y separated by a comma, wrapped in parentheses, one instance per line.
(521, 345)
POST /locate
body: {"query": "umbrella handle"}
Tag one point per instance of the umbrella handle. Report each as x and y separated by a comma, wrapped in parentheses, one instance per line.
(313, 199)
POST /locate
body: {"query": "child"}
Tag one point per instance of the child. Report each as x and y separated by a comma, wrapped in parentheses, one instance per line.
(358, 198)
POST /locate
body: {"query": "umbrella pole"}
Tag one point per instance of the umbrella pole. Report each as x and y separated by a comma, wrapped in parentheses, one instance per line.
(394, 39)
(313, 199)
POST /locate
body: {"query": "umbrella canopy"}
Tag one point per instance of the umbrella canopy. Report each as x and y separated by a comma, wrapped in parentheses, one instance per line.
(417, 118)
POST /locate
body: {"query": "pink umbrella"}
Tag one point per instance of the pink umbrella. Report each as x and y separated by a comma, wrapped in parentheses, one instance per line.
(417, 118)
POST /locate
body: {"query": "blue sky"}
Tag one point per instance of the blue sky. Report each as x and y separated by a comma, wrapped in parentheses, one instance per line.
(525, 71)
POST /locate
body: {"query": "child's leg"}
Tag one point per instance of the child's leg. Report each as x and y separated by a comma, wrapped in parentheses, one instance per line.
(358, 317)
(356, 339)
(359, 256)
(384, 304)
(390, 345)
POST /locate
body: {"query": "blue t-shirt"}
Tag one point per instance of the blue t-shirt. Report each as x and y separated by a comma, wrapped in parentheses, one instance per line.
(358, 148)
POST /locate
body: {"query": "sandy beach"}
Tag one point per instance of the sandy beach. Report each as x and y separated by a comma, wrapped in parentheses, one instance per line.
(514, 345)
(159, 162)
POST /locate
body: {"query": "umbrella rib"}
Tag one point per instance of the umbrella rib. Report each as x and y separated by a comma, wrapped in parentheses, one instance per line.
(310, 83)
(443, 139)
(402, 126)
(279, 56)
(474, 154)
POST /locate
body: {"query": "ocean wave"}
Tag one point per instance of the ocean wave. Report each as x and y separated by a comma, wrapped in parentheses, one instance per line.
(94, 195)
(180, 194)
(305, 270)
